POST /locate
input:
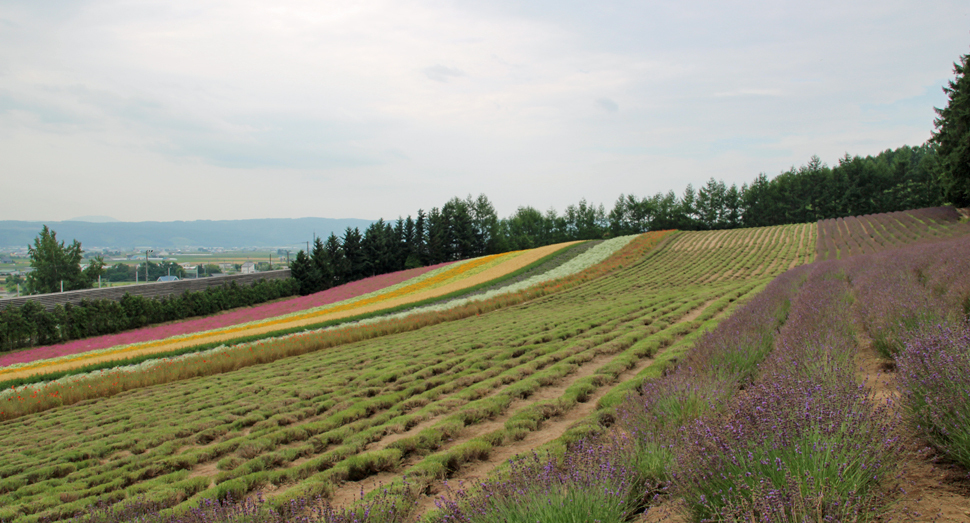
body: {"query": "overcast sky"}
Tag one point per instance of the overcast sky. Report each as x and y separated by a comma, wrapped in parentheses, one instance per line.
(183, 110)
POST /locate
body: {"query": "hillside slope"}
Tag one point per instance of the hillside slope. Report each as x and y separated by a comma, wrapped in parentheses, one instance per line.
(423, 402)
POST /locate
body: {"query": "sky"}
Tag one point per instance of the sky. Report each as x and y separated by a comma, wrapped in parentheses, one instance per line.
(230, 109)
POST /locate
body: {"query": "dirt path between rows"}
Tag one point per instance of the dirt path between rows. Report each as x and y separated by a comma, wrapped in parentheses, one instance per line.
(350, 491)
(551, 429)
(930, 488)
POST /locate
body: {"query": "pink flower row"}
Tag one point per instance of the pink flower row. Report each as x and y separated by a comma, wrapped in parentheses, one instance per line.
(234, 317)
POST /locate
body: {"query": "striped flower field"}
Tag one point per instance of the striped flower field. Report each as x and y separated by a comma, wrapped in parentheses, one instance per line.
(366, 286)
(440, 281)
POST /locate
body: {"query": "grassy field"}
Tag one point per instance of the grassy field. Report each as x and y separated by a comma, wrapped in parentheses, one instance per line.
(426, 403)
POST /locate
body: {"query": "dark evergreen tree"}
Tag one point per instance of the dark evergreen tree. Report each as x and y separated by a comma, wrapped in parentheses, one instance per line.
(952, 137)
(301, 270)
(410, 239)
(666, 212)
(322, 266)
(338, 262)
(419, 247)
(400, 243)
(437, 250)
(460, 232)
(353, 255)
(374, 249)
(687, 211)
(53, 263)
(485, 222)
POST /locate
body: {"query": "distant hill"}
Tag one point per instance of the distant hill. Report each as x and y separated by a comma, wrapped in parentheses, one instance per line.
(94, 219)
(268, 232)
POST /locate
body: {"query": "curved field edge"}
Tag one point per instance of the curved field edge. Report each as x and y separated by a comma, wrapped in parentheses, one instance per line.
(634, 350)
(178, 345)
(840, 238)
(111, 380)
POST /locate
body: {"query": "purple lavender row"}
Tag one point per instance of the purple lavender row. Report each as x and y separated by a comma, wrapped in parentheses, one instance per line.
(805, 440)
(386, 507)
(915, 305)
(592, 482)
(611, 479)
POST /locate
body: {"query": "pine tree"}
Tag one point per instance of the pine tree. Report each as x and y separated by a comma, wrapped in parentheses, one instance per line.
(322, 267)
(952, 136)
(301, 269)
(338, 263)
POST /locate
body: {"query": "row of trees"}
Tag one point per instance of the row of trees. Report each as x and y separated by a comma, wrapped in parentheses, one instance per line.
(31, 324)
(894, 180)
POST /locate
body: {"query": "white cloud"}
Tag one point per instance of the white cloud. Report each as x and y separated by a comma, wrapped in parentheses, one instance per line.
(376, 108)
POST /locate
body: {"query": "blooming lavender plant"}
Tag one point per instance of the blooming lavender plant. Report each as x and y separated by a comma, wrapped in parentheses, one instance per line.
(591, 483)
(805, 442)
(381, 508)
(934, 380)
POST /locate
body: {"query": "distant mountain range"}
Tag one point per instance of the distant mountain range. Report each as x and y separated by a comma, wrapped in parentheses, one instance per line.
(268, 232)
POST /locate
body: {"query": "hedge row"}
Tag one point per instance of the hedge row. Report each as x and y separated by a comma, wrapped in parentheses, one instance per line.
(31, 325)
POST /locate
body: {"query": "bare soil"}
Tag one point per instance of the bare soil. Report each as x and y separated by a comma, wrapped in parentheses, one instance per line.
(550, 430)
(929, 488)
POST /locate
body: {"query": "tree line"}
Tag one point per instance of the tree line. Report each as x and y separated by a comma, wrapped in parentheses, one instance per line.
(31, 324)
(894, 180)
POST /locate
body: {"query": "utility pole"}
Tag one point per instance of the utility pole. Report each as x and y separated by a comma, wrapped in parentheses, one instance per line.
(147, 252)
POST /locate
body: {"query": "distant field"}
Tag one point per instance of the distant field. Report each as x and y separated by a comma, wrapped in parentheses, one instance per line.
(422, 403)
(855, 235)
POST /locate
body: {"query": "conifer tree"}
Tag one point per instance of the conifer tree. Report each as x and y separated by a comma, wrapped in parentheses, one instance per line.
(952, 136)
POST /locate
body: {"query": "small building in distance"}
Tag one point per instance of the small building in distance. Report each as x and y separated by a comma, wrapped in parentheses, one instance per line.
(248, 268)
(168, 278)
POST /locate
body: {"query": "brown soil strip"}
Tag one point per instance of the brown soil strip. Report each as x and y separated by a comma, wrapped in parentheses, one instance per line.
(803, 235)
(685, 242)
(930, 489)
(696, 313)
(208, 470)
(714, 240)
(550, 431)
(349, 491)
